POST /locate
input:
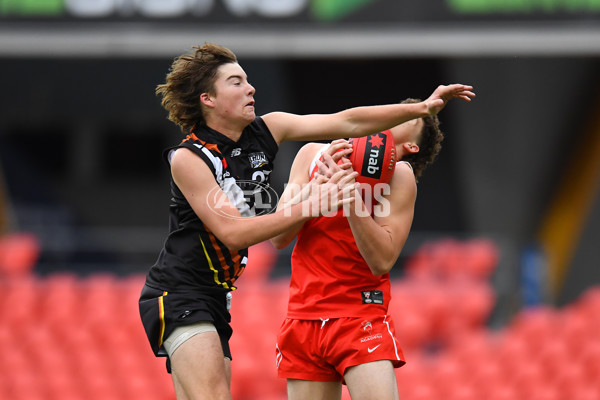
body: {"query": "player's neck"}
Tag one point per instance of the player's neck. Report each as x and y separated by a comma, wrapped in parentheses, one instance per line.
(233, 132)
(400, 152)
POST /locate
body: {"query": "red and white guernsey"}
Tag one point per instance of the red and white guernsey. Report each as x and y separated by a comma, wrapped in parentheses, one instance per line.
(330, 278)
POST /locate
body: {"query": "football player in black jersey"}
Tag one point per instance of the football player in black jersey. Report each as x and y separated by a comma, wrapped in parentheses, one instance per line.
(220, 176)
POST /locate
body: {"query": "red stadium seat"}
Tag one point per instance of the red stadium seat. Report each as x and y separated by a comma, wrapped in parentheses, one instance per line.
(22, 301)
(412, 327)
(481, 258)
(62, 300)
(18, 254)
(24, 385)
(420, 391)
(469, 304)
(586, 391)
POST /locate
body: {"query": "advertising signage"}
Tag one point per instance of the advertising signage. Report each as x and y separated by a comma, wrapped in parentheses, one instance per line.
(327, 12)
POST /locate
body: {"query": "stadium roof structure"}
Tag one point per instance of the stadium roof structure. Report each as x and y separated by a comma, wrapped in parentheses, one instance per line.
(135, 40)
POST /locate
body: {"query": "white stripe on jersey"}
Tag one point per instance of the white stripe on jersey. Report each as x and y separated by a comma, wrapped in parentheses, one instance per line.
(313, 163)
(216, 162)
(405, 162)
(234, 193)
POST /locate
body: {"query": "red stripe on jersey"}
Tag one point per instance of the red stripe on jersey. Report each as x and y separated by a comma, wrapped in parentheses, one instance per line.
(222, 261)
(210, 146)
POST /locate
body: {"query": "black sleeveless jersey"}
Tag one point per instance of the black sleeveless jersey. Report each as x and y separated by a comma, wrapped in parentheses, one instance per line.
(193, 258)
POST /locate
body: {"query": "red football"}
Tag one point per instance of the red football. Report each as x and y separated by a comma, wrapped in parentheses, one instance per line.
(374, 157)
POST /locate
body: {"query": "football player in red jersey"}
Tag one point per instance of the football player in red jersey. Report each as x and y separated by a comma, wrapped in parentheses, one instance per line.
(337, 329)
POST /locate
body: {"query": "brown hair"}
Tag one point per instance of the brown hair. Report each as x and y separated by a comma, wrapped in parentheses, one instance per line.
(430, 143)
(190, 76)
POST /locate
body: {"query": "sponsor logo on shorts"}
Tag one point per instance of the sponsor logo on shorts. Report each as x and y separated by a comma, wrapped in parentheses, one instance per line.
(371, 337)
(372, 349)
(367, 327)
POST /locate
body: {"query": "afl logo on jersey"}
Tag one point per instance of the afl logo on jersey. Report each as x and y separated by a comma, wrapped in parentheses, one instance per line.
(258, 160)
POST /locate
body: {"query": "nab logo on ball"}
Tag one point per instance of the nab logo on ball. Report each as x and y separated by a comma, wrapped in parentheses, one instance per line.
(373, 158)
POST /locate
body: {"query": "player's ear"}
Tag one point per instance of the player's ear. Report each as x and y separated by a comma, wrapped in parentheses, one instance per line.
(411, 147)
(206, 99)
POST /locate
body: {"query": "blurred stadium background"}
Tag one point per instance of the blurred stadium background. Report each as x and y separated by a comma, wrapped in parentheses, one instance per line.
(496, 294)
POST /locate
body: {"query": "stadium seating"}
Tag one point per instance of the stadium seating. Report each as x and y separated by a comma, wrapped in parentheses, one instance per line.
(68, 337)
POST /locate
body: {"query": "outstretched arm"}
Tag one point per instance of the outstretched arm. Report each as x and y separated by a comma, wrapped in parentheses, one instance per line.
(360, 121)
(211, 205)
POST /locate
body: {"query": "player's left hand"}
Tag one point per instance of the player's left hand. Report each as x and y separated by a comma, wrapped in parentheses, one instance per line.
(444, 93)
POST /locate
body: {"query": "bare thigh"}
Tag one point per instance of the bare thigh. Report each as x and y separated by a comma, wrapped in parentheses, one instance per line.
(200, 370)
(374, 380)
(312, 390)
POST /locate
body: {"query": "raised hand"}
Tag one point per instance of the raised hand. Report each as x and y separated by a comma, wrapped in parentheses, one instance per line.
(440, 96)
